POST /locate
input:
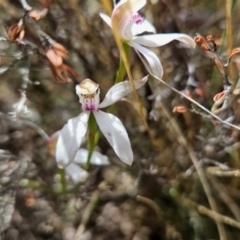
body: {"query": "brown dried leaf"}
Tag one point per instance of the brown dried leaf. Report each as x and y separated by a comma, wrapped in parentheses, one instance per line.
(38, 14)
(54, 58)
(204, 44)
(234, 52)
(219, 65)
(60, 73)
(219, 96)
(16, 31)
(60, 50)
(180, 109)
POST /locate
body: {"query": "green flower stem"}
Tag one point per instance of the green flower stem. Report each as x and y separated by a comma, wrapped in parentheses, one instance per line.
(63, 180)
(122, 70)
(93, 137)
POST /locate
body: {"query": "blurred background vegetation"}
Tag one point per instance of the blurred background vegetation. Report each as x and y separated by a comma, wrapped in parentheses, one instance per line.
(160, 196)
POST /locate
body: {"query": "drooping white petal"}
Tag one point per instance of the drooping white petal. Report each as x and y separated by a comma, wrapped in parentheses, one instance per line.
(157, 40)
(96, 159)
(70, 139)
(106, 19)
(76, 173)
(116, 134)
(144, 26)
(149, 59)
(119, 90)
(123, 17)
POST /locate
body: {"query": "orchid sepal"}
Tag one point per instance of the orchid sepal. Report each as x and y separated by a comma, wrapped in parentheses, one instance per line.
(116, 135)
(70, 139)
(120, 90)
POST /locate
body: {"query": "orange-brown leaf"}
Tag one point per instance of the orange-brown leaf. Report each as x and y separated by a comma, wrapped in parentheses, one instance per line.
(15, 31)
(180, 109)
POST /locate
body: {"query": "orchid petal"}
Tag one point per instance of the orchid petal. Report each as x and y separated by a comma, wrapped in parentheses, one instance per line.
(142, 27)
(96, 159)
(123, 16)
(106, 19)
(76, 173)
(70, 139)
(127, 8)
(116, 134)
(149, 59)
(157, 40)
(120, 90)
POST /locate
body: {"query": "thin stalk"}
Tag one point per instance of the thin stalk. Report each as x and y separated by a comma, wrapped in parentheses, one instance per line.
(63, 180)
(229, 4)
(211, 114)
(93, 137)
(122, 70)
(25, 5)
(200, 172)
(107, 6)
(208, 212)
(127, 66)
(86, 215)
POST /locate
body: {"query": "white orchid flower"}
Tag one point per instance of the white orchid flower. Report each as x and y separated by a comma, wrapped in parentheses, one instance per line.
(78, 174)
(129, 24)
(72, 134)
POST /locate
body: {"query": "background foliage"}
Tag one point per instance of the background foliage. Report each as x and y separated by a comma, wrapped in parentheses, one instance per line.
(160, 196)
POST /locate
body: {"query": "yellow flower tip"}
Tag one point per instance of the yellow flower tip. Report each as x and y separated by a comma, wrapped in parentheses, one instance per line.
(87, 86)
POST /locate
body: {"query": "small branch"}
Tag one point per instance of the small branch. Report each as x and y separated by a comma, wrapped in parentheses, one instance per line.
(25, 5)
(86, 215)
(44, 38)
(27, 123)
(211, 214)
(198, 104)
(200, 172)
(226, 81)
(20, 106)
(223, 193)
(151, 204)
(35, 127)
(229, 4)
(227, 86)
(222, 173)
(206, 161)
